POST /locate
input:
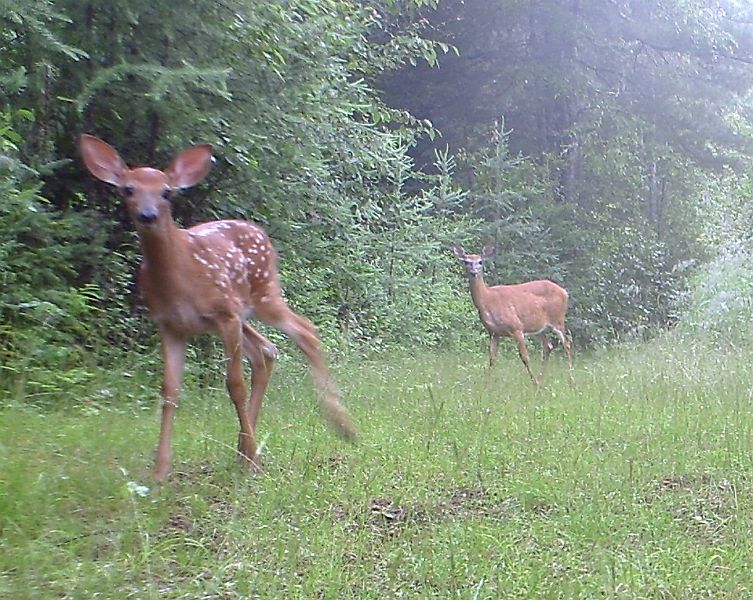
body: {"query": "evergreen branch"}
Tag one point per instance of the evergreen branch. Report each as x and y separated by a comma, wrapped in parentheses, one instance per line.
(161, 80)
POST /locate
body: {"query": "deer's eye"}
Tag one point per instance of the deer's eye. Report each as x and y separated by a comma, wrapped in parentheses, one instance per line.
(167, 193)
(127, 190)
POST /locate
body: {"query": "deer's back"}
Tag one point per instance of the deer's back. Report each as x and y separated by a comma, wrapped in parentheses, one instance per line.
(544, 288)
(225, 268)
(534, 304)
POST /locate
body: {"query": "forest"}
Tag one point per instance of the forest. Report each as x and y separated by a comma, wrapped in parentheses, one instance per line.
(606, 145)
(603, 145)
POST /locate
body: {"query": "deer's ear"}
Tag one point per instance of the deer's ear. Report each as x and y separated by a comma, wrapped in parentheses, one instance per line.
(190, 166)
(102, 160)
(488, 251)
(458, 251)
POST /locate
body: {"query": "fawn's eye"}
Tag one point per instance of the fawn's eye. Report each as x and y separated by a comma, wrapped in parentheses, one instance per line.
(166, 193)
(127, 190)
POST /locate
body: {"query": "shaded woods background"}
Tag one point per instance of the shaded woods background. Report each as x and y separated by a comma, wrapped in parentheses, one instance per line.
(604, 145)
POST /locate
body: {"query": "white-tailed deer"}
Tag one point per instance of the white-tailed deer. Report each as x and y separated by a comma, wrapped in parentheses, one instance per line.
(209, 278)
(517, 310)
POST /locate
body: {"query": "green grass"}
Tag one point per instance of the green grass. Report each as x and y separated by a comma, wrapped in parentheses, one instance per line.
(466, 483)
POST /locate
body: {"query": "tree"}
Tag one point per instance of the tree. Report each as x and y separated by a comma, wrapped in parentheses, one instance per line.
(623, 110)
(304, 145)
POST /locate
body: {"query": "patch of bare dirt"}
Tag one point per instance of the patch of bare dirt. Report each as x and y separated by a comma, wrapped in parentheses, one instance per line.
(478, 502)
(704, 506)
(387, 517)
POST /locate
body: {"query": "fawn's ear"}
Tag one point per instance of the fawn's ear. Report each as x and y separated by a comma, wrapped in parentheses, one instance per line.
(190, 166)
(487, 251)
(102, 160)
(459, 252)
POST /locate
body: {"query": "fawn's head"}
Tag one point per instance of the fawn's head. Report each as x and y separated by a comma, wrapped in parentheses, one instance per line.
(147, 191)
(474, 263)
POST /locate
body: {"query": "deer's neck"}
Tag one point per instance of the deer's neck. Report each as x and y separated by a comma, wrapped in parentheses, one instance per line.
(479, 291)
(164, 250)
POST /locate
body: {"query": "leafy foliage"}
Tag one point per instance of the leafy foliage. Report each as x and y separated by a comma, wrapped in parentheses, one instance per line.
(46, 310)
(618, 115)
(586, 139)
(304, 145)
(719, 305)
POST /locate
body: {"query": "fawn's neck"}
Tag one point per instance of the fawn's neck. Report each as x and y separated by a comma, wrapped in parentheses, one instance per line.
(163, 250)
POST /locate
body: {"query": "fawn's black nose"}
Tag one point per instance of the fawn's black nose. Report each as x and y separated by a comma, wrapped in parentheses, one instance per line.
(147, 216)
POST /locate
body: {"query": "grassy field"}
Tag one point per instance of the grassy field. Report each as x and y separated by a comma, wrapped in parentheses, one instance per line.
(466, 483)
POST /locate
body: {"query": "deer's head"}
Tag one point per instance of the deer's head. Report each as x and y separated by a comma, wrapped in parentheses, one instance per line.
(147, 191)
(474, 263)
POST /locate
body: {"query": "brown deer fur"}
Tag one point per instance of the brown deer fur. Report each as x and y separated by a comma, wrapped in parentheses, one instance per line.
(515, 311)
(209, 278)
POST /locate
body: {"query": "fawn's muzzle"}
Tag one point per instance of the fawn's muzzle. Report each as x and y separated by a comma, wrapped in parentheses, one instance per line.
(147, 216)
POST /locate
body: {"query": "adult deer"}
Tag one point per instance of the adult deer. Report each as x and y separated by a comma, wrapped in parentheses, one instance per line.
(517, 310)
(209, 278)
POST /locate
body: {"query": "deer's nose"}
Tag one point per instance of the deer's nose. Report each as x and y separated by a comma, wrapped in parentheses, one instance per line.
(147, 216)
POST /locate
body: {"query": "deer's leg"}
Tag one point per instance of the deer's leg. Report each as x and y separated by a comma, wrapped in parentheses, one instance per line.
(568, 349)
(493, 347)
(173, 361)
(261, 353)
(231, 332)
(546, 347)
(306, 337)
(523, 352)
(546, 350)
